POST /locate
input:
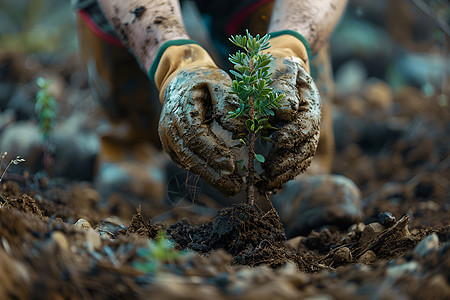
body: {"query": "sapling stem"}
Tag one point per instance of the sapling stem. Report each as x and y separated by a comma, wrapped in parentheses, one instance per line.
(257, 101)
(251, 147)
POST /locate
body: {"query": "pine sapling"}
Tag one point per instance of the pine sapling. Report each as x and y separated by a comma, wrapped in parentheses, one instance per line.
(46, 109)
(257, 100)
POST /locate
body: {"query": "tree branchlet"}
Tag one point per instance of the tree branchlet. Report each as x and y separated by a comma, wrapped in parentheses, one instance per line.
(257, 100)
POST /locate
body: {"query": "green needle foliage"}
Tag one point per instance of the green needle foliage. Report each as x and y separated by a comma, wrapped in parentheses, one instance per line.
(257, 100)
(46, 108)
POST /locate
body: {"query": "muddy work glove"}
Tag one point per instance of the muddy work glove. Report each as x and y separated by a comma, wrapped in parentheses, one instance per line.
(191, 88)
(298, 118)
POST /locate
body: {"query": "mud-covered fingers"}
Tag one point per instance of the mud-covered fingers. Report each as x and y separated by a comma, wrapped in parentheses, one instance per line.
(224, 102)
(284, 82)
(283, 165)
(191, 143)
(304, 125)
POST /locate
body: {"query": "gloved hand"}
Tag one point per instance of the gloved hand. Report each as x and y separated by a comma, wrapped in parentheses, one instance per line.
(192, 89)
(298, 118)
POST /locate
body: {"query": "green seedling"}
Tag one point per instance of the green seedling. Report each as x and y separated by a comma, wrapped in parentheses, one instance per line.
(47, 110)
(14, 161)
(157, 253)
(257, 100)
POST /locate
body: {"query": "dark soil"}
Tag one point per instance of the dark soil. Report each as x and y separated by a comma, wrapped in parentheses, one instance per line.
(58, 240)
(252, 236)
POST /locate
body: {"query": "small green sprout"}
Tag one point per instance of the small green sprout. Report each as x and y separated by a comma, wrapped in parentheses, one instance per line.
(257, 100)
(14, 161)
(46, 108)
(157, 253)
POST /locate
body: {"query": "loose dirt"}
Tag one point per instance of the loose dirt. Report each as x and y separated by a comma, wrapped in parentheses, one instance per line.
(399, 158)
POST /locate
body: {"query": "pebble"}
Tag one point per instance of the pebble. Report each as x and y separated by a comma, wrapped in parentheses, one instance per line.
(397, 271)
(427, 245)
(82, 223)
(93, 241)
(60, 239)
(106, 235)
(360, 227)
(342, 255)
(295, 242)
(370, 232)
(429, 205)
(386, 219)
(367, 258)
(111, 224)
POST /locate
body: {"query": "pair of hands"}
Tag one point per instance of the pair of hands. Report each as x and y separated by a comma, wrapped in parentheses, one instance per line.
(198, 93)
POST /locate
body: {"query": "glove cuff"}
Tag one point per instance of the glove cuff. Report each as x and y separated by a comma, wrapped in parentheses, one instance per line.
(295, 34)
(172, 57)
(160, 53)
(290, 43)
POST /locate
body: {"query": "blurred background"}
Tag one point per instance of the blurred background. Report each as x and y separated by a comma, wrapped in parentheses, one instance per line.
(393, 45)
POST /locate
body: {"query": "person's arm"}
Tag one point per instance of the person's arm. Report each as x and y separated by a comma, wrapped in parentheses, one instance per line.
(314, 19)
(191, 87)
(144, 25)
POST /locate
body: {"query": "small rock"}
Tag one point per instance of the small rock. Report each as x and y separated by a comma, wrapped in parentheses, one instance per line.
(370, 232)
(367, 258)
(397, 271)
(342, 256)
(360, 227)
(427, 245)
(93, 241)
(316, 201)
(295, 242)
(386, 219)
(82, 223)
(106, 235)
(429, 205)
(60, 239)
(292, 275)
(352, 228)
(112, 224)
(392, 190)
(23, 137)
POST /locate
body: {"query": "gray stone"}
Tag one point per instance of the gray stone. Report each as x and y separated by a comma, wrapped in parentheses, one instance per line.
(82, 223)
(22, 138)
(312, 202)
(397, 271)
(427, 245)
(370, 232)
(387, 219)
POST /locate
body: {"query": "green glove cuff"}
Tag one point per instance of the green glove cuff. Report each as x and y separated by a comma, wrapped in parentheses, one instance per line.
(294, 34)
(160, 52)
